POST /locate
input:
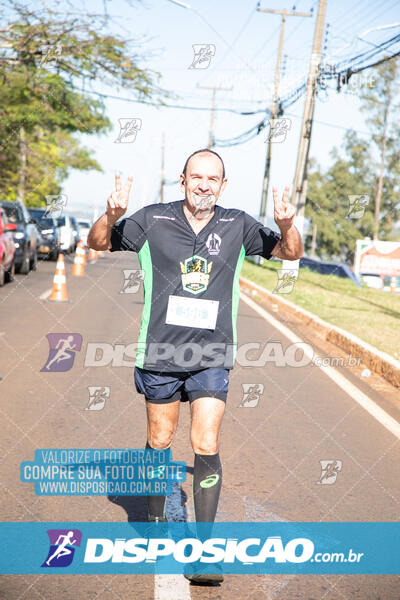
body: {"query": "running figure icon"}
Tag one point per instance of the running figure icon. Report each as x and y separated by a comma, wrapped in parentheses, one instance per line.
(62, 550)
(62, 346)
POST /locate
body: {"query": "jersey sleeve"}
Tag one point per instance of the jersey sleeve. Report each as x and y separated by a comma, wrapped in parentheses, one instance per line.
(129, 233)
(258, 239)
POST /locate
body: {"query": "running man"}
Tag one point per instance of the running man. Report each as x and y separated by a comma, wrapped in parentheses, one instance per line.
(62, 550)
(187, 336)
(62, 346)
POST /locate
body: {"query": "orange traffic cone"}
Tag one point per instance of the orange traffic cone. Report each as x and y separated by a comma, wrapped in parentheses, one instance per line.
(84, 251)
(79, 265)
(92, 255)
(59, 289)
(393, 285)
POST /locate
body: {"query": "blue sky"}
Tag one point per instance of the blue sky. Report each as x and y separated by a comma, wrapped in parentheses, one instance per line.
(247, 63)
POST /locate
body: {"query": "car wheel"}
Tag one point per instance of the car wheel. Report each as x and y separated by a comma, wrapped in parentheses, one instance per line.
(2, 275)
(34, 262)
(11, 272)
(24, 268)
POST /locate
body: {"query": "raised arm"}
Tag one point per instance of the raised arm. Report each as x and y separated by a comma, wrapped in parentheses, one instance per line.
(290, 246)
(117, 203)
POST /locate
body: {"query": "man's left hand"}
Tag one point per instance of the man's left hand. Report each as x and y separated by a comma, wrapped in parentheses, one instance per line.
(284, 212)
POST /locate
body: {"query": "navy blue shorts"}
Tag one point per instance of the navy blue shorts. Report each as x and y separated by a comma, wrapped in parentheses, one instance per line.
(162, 388)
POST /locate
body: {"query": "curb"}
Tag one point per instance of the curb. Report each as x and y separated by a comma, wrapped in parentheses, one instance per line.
(379, 362)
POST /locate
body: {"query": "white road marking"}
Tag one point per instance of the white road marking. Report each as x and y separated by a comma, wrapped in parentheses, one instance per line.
(167, 587)
(177, 587)
(45, 295)
(362, 399)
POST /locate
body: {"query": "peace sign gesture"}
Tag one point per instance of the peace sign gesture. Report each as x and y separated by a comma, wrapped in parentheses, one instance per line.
(117, 202)
(283, 211)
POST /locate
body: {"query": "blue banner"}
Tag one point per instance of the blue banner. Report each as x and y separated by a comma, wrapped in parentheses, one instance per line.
(101, 472)
(258, 548)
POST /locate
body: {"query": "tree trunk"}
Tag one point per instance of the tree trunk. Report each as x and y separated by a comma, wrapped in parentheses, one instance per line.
(22, 165)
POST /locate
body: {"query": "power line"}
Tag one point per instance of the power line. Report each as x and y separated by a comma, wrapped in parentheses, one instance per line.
(343, 75)
(177, 106)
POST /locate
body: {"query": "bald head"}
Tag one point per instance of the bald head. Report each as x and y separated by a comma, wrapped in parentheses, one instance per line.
(205, 151)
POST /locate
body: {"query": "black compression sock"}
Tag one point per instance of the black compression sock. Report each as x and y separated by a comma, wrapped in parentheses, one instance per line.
(155, 504)
(207, 480)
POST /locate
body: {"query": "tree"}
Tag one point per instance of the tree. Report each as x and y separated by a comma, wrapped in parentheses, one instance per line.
(358, 172)
(47, 61)
(379, 103)
(49, 157)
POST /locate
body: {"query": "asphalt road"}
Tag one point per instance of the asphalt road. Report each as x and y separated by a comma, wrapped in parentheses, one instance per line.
(271, 451)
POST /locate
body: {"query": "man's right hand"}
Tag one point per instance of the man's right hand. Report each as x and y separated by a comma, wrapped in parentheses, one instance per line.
(117, 202)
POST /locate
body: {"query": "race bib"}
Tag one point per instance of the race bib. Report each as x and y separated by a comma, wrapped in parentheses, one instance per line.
(192, 312)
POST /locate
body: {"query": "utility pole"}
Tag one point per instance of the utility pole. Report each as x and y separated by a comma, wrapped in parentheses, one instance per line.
(300, 178)
(274, 106)
(162, 168)
(214, 91)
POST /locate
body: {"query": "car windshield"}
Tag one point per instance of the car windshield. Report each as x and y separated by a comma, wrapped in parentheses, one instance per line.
(60, 221)
(83, 224)
(46, 223)
(14, 214)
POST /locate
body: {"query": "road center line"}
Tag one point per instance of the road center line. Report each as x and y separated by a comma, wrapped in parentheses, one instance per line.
(362, 399)
(173, 586)
(45, 295)
(167, 587)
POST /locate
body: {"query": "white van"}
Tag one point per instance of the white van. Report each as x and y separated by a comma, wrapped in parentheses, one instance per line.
(67, 237)
(84, 228)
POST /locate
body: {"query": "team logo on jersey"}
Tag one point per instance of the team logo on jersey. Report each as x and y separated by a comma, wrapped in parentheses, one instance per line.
(195, 274)
(213, 244)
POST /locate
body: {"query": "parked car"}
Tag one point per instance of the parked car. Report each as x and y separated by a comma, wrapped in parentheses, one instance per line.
(372, 281)
(67, 238)
(84, 228)
(49, 245)
(75, 230)
(7, 249)
(25, 236)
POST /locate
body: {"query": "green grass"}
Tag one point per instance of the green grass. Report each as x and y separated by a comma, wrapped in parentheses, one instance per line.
(372, 315)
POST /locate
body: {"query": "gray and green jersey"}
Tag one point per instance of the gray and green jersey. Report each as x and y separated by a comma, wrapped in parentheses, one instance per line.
(179, 265)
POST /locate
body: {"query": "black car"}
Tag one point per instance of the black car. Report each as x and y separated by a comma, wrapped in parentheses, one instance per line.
(49, 245)
(25, 236)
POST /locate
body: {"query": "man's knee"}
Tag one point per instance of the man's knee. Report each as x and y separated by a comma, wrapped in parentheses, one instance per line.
(161, 439)
(204, 443)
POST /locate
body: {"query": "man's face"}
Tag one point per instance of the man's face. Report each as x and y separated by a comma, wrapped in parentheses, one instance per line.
(203, 183)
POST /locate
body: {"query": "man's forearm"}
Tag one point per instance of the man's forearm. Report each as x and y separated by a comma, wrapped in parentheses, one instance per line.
(291, 245)
(100, 233)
